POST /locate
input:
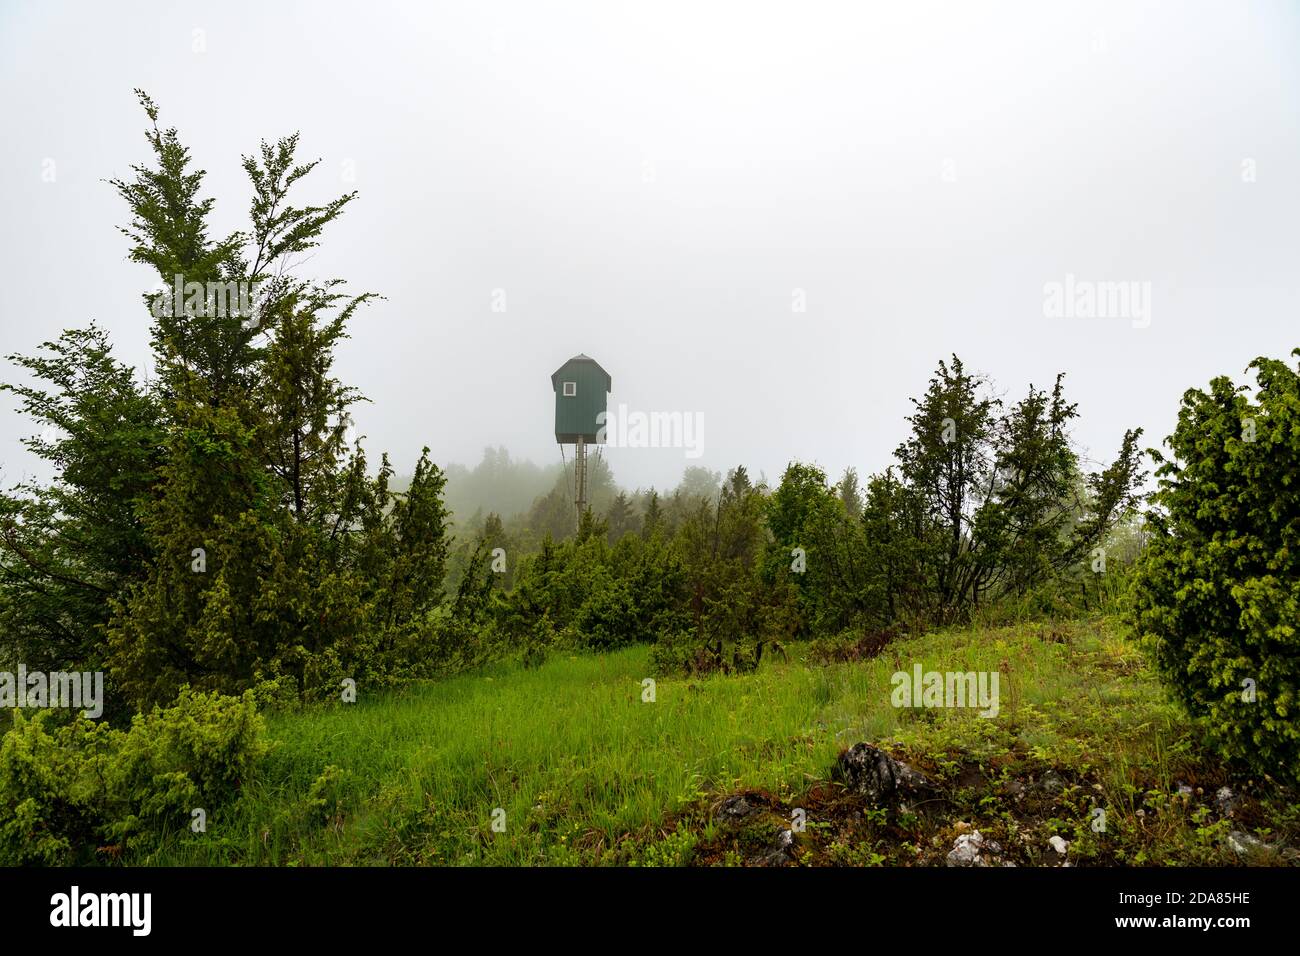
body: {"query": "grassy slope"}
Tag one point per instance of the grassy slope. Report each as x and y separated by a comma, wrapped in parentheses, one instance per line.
(587, 772)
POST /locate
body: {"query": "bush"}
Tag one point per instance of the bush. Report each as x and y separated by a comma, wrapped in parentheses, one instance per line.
(851, 644)
(1216, 596)
(609, 618)
(681, 652)
(70, 788)
(540, 639)
(49, 799)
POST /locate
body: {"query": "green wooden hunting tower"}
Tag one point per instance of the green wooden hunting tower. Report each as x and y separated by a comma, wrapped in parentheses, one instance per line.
(580, 387)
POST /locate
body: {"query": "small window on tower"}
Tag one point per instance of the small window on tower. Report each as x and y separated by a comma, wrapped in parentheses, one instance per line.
(570, 389)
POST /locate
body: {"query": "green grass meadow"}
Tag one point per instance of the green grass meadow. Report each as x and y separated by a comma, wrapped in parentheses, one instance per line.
(587, 772)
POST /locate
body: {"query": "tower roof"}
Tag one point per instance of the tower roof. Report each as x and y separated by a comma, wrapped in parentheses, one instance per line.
(580, 357)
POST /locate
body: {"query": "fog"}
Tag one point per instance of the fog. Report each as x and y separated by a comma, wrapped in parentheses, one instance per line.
(775, 218)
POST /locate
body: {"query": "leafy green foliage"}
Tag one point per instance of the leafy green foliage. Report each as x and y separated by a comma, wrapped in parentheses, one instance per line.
(997, 500)
(215, 528)
(1217, 592)
(734, 614)
(71, 788)
(66, 547)
(832, 579)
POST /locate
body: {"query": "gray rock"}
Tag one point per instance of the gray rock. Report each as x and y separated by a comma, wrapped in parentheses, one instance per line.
(880, 778)
(783, 852)
(971, 849)
(1060, 845)
(1052, 782)
(1245, 844)
(1226, 800)
(735, 807)
(1013, 789)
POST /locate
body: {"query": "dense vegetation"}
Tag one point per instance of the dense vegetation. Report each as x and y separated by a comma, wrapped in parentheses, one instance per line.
(1218, 589)
(587, 772)
(214, 545)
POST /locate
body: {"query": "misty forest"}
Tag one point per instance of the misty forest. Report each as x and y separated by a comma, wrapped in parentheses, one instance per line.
(996, 650)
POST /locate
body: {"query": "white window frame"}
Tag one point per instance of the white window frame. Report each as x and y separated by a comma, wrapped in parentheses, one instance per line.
(570, 389)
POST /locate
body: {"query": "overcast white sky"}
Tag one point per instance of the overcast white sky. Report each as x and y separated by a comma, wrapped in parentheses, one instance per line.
(651, 182)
